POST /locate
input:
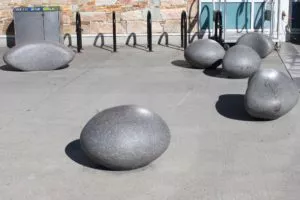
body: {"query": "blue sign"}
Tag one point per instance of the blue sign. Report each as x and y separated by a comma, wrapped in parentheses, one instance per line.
(36, 9)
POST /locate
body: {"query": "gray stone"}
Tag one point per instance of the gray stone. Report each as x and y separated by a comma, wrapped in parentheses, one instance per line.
(270, 94)
(241, 61)
(204, 53)
(125, 137)
(262, 44)
(39, 56)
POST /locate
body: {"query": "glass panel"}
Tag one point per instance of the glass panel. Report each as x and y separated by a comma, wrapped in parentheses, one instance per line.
(238, 15)
(261, 16)
(206, 16)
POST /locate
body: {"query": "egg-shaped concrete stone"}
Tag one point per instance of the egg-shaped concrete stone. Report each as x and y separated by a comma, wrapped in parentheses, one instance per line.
(39, 56)
(261, 43)
(204, 53)
(125, 137)
(270, 94)
(241, 61)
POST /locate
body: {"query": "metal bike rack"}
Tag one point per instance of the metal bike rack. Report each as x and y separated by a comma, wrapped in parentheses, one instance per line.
(183, 30)
(114, 31)
(78, 32)
(166, 35)
(149, 31)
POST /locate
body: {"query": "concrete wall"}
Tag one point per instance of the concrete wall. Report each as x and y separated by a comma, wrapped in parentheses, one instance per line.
(96, 14)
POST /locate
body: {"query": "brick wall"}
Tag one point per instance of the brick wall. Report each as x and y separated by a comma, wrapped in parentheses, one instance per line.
(96, 14)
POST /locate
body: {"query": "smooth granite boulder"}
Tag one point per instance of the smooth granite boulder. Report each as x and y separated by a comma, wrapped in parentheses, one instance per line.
(39, 56)
(262, 44)
(241, 61)
(125, 137)
(270, 94)
(204, 53)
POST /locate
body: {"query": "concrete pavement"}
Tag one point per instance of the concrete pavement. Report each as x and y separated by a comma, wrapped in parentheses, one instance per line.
(217, 151)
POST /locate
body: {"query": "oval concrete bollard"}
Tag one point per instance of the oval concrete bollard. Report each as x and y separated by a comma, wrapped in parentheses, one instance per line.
(270, 94)
(262, 44)
(241, 61)
(125, 137)
(204, 53)
(39, 56)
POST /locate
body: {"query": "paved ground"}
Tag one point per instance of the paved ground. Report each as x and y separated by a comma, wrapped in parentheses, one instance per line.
(217, 151)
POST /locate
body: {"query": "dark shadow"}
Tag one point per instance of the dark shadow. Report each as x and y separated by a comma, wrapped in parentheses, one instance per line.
(295, 38)
(166, 36)
(243, 7)
(9, 68)
(173, 47)
(135, 45)
(10, 35)
(75, 153)
(216, 72)
(140, 47)
(102, 44)
(192, 20)
(63, 67)
(206, 25)
(185, 64)
(232, 106)
(182, 63)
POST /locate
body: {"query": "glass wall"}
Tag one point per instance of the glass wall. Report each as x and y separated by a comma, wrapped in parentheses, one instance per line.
(238, 17)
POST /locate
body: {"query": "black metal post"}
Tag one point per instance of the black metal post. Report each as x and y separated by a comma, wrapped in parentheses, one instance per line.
(183, 30)
(149, 30)
(78, 32)
(218, 27)
(114, 31)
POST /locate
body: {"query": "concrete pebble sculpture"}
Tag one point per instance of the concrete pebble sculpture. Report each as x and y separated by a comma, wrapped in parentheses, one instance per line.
(125, 137)
(241, 61)
(39, 56)
(270, 94)
(204, 53)
(262, 44)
